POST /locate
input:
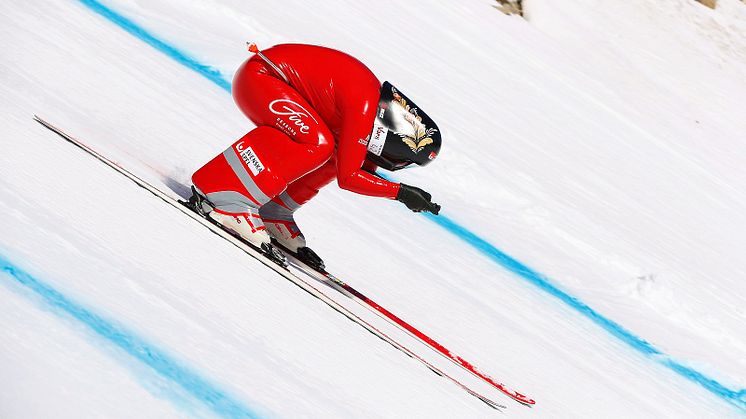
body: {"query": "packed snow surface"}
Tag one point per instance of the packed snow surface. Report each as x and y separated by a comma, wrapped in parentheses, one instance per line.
(600, 143)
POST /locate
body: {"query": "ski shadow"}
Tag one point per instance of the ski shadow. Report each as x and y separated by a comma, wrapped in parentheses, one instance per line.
(184, 191)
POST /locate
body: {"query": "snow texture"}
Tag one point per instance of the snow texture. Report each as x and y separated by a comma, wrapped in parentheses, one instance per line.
(590, 252)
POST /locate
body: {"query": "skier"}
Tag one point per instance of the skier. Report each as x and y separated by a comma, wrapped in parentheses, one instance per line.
(321, 115)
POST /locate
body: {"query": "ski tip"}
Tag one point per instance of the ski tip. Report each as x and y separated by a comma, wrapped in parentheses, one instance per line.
(520, 398)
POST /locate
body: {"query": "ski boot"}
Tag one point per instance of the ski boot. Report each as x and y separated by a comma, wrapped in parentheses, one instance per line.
(286, 234)
(247, 226)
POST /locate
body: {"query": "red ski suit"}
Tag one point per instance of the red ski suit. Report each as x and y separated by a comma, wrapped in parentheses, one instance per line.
(311, 129)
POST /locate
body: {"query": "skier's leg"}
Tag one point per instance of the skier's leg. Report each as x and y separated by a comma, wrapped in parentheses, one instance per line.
(278, 213)
(260, 165)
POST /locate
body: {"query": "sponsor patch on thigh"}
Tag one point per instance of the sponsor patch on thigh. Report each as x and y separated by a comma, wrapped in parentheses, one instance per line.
(250, 158)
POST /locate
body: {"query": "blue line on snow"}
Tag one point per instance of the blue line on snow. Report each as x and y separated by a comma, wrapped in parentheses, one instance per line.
(736, 397)
(215, 399)
(139, 32)
(542, 282)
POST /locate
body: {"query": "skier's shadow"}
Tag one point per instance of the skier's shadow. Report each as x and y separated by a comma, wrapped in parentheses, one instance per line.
(177, 187)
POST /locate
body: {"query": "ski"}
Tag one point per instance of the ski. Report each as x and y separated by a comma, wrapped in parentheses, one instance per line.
(387, 315)
(253, 252)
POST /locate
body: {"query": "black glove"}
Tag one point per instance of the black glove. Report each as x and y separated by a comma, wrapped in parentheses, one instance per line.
(416, 199)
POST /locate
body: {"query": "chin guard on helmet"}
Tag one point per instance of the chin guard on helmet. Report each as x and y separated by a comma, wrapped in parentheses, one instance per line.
(402, 133)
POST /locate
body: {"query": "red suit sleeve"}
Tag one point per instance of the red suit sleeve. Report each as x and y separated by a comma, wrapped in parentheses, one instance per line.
(352, 144)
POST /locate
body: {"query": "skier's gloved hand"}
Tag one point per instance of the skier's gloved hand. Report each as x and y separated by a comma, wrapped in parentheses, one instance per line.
(416, 199)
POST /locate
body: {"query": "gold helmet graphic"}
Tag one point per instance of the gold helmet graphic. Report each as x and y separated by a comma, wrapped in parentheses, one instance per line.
(402, 133)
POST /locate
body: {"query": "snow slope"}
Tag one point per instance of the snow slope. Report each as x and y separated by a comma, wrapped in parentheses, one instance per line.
(601, 144)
